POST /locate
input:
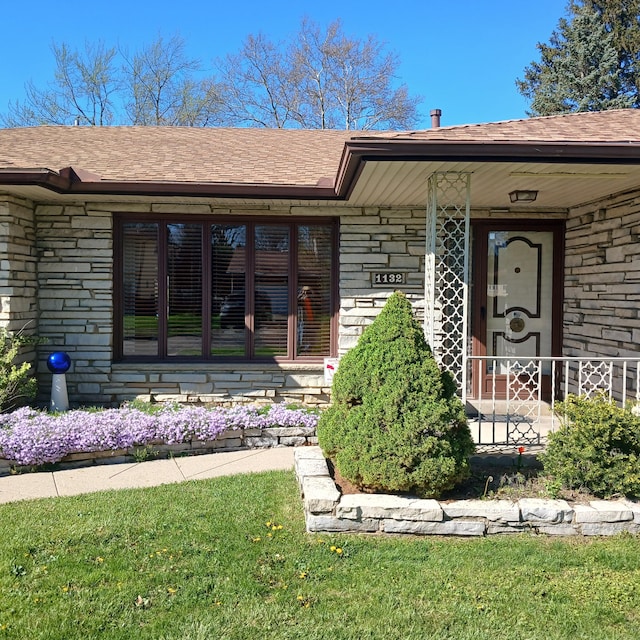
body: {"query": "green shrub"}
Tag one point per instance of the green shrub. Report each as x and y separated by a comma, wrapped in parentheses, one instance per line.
(17, 383)
(395, 423)
(597, 448)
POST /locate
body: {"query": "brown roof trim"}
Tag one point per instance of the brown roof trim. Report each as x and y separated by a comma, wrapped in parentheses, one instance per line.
(35, 177)
(69, 181)
(204, 190)
(359, 151)
(356, 153)
(199, 189)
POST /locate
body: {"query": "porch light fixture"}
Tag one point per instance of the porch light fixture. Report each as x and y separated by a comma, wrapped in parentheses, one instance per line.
(522, 195)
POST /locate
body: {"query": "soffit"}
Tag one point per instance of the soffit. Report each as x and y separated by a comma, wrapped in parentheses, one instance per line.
(559, 185)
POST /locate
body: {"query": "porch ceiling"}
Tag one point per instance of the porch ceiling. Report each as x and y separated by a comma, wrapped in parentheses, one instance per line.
(559, 185)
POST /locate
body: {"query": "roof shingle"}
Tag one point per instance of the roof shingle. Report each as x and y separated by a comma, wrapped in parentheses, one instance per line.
(615, 126)
(176, 154)
(288, 157)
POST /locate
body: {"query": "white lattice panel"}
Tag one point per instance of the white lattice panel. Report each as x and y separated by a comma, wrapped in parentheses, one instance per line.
(447, 269)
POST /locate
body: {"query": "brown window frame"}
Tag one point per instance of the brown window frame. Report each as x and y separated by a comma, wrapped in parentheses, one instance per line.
(163, 220)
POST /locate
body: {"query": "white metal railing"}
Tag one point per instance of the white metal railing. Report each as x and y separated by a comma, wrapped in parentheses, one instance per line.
(512, 401)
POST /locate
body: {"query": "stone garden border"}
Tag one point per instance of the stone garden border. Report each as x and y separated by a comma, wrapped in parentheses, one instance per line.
(327, 511)
(230, 440)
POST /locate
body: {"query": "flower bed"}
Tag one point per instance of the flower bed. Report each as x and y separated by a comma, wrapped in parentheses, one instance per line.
(31, 438)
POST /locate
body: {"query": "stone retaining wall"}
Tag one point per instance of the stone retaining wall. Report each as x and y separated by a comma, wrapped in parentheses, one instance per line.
(326, 510)
(231, 440)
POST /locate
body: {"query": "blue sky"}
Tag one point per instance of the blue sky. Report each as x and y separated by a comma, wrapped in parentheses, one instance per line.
(462, 57)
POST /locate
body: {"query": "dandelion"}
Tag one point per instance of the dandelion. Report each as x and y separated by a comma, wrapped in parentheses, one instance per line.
(304, 602)
(256, 539)
(171, 590)
(302, 575)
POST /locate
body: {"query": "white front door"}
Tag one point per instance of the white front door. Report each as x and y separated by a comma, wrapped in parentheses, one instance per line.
(516, 299)
(519, 293)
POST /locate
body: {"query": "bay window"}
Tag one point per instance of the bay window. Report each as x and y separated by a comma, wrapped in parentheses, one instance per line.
(208, 288)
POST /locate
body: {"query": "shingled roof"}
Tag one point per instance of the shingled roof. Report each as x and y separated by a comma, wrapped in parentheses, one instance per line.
(282, 162)
(615, 126)
(178, 154)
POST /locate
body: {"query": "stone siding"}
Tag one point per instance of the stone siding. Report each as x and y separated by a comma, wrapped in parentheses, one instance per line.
(222, 384)
(18, 283)
(73, 291)
(602, 279)
(374, 240)
(57, 269)
(18, 265)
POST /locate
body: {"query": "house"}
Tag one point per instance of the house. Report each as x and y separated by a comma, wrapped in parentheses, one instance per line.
(229, 264)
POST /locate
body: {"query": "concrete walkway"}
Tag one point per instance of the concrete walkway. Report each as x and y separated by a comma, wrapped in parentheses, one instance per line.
(100, 477)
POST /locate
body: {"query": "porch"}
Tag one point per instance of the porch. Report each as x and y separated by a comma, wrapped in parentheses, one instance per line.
(517, 402)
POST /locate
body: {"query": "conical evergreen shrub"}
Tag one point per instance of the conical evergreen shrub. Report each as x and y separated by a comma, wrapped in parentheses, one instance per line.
(395, 424)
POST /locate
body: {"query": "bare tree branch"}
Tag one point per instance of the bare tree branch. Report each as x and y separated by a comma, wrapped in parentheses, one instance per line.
(321, 79)
(82, 91)
(162, 88)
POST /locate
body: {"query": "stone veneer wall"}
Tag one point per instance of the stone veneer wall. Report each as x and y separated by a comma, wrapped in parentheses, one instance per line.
(75, 284)
(58, 261)
(378, 241)
(18, 266)
(18, 286)
(602, 278)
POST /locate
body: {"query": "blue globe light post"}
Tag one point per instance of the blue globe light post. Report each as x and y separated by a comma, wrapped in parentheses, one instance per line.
(59, 363)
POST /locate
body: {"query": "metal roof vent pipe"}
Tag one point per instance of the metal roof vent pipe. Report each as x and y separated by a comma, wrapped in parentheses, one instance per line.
(435, 118)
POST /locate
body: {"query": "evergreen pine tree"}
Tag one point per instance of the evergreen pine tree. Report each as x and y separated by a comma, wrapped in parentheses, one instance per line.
(395, 423)
(622, 20)
(579, 70)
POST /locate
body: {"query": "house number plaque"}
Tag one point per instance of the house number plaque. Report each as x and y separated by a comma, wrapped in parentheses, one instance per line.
(381, 279)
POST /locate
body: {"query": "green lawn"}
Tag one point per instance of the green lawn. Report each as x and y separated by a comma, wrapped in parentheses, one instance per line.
(198, 561)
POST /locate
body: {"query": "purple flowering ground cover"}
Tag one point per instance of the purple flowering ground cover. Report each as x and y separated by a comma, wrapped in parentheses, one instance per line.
(31, 437)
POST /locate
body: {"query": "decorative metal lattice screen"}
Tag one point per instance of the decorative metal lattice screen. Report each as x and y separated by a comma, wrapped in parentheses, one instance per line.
(447, 271)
